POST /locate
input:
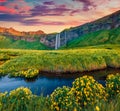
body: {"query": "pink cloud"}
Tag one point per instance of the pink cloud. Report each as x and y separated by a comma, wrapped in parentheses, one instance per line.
(15, 7)
(4, 9)
(3, 0)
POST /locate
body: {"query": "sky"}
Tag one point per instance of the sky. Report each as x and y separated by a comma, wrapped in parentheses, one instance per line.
(53, 15)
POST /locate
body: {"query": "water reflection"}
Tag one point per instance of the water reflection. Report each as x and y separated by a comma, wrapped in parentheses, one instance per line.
(46, 83)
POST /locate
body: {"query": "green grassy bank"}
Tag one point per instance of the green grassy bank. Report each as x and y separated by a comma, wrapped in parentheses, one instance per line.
(28, 63)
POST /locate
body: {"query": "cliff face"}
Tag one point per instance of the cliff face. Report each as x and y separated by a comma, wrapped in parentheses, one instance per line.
(108, 22)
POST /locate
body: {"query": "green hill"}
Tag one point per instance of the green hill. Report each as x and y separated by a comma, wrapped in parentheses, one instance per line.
(98, 38)
(20, 44)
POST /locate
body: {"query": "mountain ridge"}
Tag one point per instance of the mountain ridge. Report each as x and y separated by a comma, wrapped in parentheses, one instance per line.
(108, 22)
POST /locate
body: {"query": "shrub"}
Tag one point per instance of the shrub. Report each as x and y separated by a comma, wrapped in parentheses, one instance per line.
(84, 92)
(29, 73)
(87, 91)
(61, 99)
(19, 98)
(21, 93)
(113, 84)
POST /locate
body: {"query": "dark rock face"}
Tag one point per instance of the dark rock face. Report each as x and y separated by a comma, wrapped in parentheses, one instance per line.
(108, 22)
(48, 40)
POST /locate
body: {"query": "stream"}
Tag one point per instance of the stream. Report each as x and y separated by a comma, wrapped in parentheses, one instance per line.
(46, 83)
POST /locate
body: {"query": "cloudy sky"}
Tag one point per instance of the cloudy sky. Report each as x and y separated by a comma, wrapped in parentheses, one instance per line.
(53, 15)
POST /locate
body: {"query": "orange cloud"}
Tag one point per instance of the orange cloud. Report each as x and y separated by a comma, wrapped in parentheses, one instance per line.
(114, 9)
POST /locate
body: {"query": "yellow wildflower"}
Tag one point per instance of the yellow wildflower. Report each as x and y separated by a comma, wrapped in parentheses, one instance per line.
(97, 108)
(75, 109)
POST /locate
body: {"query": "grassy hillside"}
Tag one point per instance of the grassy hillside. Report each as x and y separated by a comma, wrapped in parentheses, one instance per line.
(20, 44)
(28, 63)
(102, 38)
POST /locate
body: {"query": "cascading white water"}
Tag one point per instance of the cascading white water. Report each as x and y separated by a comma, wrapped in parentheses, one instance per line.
(65, 38)
(57, 42)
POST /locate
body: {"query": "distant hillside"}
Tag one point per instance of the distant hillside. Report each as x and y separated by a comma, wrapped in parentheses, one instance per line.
(96, 38)
(21, 44)
(13, 32)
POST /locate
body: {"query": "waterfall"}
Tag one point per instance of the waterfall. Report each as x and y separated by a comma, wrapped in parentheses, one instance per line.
(65, 38)
(57, 41)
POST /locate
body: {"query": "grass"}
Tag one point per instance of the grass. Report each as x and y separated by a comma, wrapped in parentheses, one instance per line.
(39, 103)
(21, 44)
(113, 105)
(62, 61)
(107, 38)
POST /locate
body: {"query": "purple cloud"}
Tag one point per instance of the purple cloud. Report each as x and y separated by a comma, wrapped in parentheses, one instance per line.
(52, 23)
(37, 22)
(30, 22)
(87, 4)
(49, 3)
(76, 11)
(13, 18)
(44, 10)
